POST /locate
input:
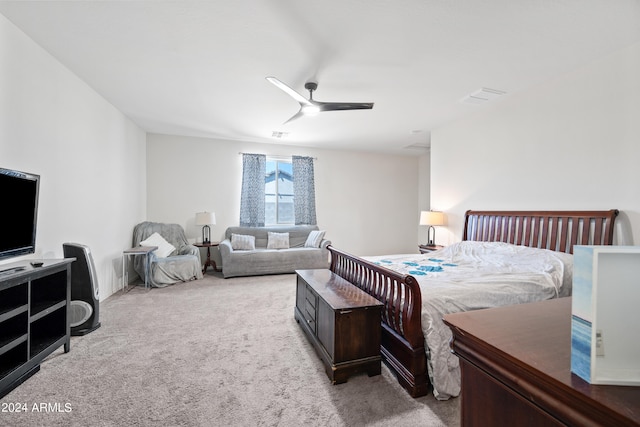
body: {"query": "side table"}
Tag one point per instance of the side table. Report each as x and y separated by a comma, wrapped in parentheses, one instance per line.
(209, 261)
(429, 248)
(140, 250)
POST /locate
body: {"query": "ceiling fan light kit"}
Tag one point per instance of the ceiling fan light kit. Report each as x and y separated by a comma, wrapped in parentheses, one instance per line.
(310, 110)
(311, 107)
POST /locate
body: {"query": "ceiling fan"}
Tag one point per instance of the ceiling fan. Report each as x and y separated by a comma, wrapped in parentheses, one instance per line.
(310, 107)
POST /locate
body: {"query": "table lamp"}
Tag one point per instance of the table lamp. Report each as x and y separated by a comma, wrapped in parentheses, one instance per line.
(431, 218)
(205, 219)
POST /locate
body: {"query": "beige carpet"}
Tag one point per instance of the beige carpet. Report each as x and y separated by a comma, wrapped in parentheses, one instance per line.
(213, 352)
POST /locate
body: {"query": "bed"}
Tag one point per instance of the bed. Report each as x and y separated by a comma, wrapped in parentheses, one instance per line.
(410, 292)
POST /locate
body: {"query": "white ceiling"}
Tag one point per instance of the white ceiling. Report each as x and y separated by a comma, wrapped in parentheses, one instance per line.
(198, 68)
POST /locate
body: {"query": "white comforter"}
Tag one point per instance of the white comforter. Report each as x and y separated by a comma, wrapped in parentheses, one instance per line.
(474, 275)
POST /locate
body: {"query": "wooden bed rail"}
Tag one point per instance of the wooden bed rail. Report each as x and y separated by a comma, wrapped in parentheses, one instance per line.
(555, 230)
(399, 293)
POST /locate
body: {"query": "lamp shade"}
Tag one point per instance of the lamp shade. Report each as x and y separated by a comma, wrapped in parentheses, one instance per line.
(205, 218)
(431, 218)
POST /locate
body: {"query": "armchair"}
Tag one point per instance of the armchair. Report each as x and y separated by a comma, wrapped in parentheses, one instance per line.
(182, 265)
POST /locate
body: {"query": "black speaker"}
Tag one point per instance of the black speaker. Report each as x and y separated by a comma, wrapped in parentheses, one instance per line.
(84, 312)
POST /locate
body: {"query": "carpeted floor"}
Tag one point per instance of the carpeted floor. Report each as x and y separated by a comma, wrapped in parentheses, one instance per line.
(212, 352)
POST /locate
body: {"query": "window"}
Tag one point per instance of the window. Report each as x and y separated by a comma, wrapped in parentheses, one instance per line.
(278, 184)
(268, 188)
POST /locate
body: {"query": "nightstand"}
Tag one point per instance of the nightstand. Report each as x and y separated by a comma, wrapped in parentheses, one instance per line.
(429, 248)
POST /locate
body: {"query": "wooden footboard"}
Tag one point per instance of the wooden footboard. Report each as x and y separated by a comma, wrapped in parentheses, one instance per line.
(402, 340)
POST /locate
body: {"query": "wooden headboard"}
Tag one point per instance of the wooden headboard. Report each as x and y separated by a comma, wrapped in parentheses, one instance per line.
(555, 230)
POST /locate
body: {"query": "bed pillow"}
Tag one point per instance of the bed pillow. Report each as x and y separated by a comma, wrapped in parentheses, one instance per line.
(243, 242)
(314, 239)
(164, 248)
(277, 240)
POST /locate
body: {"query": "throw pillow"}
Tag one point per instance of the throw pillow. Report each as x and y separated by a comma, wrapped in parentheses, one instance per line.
(164, 248)
(314, 239)
(277, 240)
(243, 242)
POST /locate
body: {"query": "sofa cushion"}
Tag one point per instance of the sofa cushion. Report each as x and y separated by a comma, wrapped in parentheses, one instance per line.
(277, 240)
(164, 248)
(314, 239)
(243, 242)
(297, 234)
(273, 261)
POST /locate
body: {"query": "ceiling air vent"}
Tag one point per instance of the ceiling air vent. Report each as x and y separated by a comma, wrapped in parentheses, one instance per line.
(420, 146)
(482, 95)
(277, 134)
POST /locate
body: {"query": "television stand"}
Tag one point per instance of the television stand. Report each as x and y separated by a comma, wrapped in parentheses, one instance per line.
(12, 270)
(34, 318)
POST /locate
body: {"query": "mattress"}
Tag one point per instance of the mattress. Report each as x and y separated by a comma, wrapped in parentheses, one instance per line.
(471, 276)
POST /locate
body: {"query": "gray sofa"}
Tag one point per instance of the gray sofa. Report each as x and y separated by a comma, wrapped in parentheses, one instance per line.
(272, 261)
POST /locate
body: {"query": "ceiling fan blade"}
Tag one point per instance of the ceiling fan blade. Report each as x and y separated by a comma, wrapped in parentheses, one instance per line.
(292, 93)
(295, 116)
(337, 106)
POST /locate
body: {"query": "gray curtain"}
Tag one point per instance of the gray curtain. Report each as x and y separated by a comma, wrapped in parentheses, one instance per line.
(304, 190)
(254, 169)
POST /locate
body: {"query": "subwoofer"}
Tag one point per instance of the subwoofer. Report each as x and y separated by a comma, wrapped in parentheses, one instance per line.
(84, 312)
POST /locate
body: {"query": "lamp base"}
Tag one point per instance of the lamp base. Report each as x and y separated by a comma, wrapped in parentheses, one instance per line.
(206, 234)
(431, 241)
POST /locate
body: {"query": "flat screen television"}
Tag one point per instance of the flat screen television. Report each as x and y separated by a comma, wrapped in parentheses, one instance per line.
(19, 212)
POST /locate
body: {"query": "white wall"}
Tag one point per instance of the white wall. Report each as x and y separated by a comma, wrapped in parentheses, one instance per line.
(90, 157)
(424, 193)
(368, 203)
(571, 143)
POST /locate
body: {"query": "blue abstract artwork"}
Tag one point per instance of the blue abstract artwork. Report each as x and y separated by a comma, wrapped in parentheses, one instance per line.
(581, 316)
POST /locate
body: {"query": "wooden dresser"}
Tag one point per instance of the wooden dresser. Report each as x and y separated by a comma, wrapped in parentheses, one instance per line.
(341, 321)
(516, 370)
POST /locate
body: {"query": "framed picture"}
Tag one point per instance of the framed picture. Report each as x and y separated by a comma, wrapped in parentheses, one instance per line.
(605, 314)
